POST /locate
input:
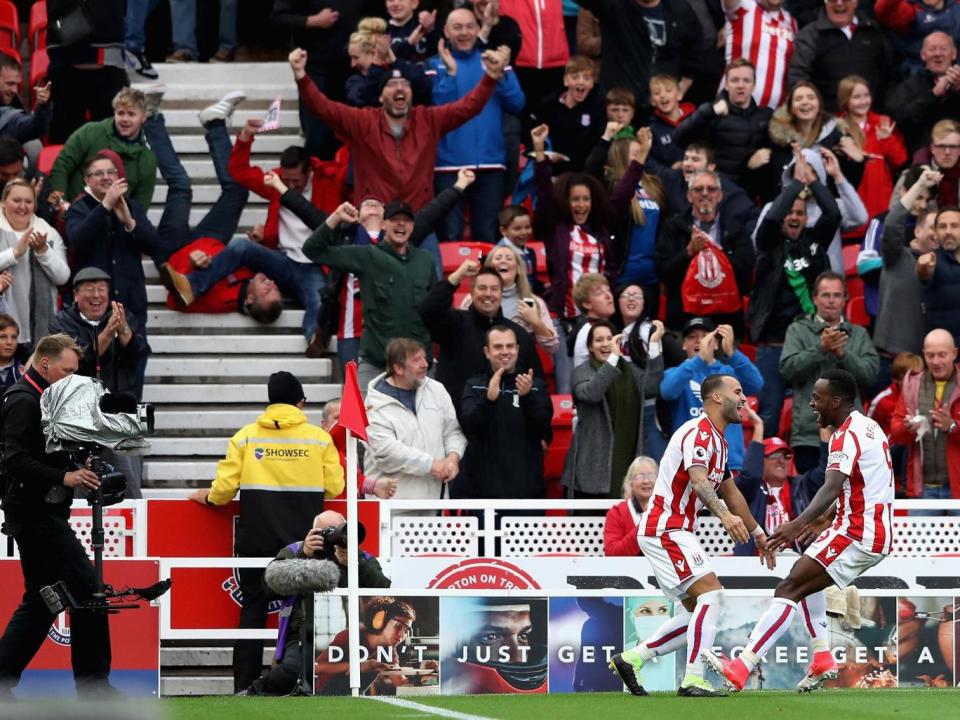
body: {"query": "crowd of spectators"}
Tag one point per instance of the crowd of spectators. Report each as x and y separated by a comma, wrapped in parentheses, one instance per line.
(674, 189)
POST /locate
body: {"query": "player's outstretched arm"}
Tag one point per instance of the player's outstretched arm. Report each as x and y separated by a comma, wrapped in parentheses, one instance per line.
(704, 489)
(738, 506)
(826, 496)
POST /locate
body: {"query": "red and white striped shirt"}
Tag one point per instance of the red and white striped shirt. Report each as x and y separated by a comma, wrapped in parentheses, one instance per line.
(586, 256)
(765, 38)
(860, 450)
(351, 309)
(674, 504)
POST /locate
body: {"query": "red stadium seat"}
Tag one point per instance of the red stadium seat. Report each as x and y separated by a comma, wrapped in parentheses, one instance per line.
(10, 23)
(47, 157)
(39, 63)
(540, 250)
(857, 312)
(453, 254)
(749, 350)
(9, 51)
(850, 253)
(786, 418)
(38, 25)
(562, 437)
(546, 359)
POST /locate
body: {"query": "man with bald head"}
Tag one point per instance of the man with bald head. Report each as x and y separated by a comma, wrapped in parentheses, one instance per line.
(479, 142)
(923, 99)
(926, 422)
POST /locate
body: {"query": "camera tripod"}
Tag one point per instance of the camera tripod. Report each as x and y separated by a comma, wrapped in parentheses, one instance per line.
(104, 598)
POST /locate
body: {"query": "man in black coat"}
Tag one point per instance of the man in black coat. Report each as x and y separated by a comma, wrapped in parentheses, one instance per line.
(107, 230)
(36, 505)
(733, 125)
(112, 347)
(641, 38)
(682, 238)
(841, 42)
(922, 100)
(461, 334)
(506, 416)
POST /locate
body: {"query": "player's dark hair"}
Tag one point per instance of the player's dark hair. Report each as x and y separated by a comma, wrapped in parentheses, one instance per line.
(712, 384)
(842, 384)
(10, 151)
(295, 156)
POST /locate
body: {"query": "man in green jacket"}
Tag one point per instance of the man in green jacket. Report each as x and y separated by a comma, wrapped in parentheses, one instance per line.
(394, 276)
(815, 343)
(124, 135)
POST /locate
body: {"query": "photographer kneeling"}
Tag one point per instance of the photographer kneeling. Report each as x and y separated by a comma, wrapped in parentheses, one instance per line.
(38, 490)
(287, 575)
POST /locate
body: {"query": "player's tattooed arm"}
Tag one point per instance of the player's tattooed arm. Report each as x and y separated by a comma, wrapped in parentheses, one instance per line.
(708, 496)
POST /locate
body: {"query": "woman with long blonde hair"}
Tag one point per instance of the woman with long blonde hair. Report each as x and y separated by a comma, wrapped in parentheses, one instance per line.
(518, 303)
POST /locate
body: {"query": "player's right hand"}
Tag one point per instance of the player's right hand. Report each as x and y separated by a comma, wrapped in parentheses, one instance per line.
(735, 528)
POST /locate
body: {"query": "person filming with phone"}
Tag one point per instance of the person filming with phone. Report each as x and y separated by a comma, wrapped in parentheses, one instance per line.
(815, 343)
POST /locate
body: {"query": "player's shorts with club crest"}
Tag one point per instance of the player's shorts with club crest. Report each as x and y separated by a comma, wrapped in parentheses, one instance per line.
(844, 559)
(677, 560)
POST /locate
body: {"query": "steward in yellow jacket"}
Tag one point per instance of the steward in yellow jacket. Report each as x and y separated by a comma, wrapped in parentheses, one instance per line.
(283, 466)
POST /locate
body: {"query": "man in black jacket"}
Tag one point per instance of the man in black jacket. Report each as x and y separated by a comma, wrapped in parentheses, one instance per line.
(841, 42)
(732, 124)
(36, 505)
(921, 100)
(506, 416)
(682, 238)
(789, 257)
(643, 37)
(461, 334)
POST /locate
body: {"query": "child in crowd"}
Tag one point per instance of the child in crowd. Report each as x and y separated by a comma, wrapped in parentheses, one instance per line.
(622, 108)
(668, 111)
(882, 406)
(10, 368)
(574, 116)
(516, 228)
(413, 36)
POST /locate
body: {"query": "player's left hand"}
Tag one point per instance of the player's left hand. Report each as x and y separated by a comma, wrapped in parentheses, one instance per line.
(784, 536)
(768, 556)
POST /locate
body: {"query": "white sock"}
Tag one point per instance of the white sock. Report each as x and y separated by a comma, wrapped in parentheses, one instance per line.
(665, 639)
(814, 609)
(774, 623)
(702, 629)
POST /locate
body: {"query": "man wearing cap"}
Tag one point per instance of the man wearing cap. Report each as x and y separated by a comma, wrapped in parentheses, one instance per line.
(710, 351)
(479, 142)
(394, 147)
(394, 278)
(283, 466)
(113, 349)
(773, 494)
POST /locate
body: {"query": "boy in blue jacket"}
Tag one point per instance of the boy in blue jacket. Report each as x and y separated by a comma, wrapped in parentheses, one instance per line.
(681, 384)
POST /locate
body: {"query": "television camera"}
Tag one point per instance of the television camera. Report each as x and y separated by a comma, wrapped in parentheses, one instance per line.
(81, 418)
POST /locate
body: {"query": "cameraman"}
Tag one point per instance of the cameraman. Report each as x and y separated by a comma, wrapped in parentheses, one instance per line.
(282, 677)
(38, 490)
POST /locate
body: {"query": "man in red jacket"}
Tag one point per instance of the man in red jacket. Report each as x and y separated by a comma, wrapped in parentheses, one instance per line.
(394, 147)
(926, 421)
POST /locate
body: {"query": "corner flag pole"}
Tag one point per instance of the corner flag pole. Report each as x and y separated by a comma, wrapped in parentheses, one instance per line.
(353, 417)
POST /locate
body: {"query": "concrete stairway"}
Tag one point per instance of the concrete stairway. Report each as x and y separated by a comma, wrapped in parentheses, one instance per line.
(207, 374)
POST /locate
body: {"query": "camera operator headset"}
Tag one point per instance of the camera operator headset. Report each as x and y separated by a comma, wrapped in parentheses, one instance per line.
(37, 493)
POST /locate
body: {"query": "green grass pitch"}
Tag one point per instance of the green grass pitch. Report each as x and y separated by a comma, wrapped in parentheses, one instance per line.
(912, 704)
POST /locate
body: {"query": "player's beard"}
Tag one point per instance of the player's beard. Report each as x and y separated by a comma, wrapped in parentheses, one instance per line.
(731, 412)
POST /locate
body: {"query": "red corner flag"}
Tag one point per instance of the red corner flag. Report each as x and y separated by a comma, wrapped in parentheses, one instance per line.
(353, 415)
